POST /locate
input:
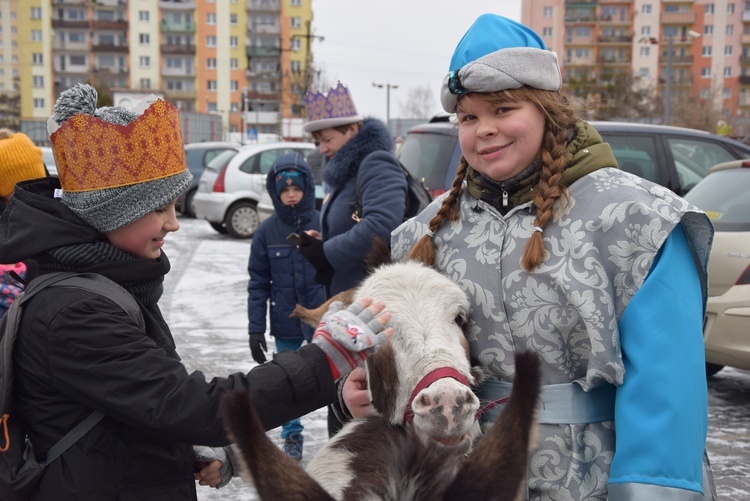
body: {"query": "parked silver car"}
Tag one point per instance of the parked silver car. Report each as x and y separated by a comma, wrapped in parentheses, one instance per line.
(197, 157)
(228, 192)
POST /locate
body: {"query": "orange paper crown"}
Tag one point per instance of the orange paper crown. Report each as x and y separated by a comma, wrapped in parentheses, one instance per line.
(92, 154)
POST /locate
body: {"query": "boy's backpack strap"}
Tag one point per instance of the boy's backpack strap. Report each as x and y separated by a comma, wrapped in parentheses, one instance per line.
(92, 282)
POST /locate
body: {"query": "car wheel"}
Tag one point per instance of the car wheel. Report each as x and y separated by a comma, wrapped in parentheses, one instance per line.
(219, 227)
(242, 220)
(188, 207)
(712, 369)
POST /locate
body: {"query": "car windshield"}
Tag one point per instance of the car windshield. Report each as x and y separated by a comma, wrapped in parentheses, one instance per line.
(221, 160)
(426, 156)
(725, 197)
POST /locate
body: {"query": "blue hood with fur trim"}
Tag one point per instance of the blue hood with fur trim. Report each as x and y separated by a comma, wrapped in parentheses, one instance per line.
(373, 136)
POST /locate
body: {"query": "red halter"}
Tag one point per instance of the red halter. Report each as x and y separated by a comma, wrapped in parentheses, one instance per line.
(441, 373)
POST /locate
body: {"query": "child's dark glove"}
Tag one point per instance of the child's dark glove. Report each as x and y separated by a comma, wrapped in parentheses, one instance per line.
(258, 346)
(311, 249)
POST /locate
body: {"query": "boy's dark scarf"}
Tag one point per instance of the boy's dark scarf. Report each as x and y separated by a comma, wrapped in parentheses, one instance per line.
(143, 278)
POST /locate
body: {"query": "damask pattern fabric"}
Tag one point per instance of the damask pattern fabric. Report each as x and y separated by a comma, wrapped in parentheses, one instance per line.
(600, 252)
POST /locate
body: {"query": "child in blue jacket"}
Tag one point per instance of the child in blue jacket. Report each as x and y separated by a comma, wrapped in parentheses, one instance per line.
(280, 277)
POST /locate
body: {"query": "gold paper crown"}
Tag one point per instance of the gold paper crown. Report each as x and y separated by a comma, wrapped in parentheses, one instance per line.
(92, 154)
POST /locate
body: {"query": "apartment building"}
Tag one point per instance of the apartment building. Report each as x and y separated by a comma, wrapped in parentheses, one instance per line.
(205, 56)
(683, 49)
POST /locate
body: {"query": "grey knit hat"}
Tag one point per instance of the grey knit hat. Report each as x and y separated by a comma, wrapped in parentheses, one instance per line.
(496, 54)
(116, 165)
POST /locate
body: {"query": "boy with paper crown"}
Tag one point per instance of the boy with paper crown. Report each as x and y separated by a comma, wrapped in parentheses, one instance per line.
(600, 272)
(120, 172)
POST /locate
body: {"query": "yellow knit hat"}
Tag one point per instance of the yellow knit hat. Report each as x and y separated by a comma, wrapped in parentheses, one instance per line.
(20, 160)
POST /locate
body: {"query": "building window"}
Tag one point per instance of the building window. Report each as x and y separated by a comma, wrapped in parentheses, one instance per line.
(295, 66)
(210, 41)
(36, 35)
(143, 15)
(38, 103)
(644, 72)
(646, 31)
(78, 60)
(232, 18)
(233, 41)
(708, 8)
(211, 18)
(37, 59)
(708, 29)
(296, 44)
(36, 13)
(79, 37)
(211, 85)
(144, 61)
(726, 93)
(145, 83)
(233, 86)
(727, 71)
(38, 81)
(212, 107)
(705, 93)
(730, 8)
(707, 50)
(211, 63)
(727, 50)
(547, 32)
(730, 29)
(144, 38)
(548, 11)
(296, 3)
(646, 8)
(645, 51)
(296, 22)
(233, 63)
(706, 72)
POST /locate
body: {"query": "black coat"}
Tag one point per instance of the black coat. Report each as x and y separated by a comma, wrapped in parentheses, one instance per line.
(79, 351)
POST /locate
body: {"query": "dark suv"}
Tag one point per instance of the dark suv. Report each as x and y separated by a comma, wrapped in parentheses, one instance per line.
(674, 157)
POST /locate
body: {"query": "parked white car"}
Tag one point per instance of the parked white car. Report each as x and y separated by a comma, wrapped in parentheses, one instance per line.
(49, 160)
(228, 197)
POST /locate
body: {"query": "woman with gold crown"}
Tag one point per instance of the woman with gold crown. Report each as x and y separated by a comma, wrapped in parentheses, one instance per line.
(80, 354)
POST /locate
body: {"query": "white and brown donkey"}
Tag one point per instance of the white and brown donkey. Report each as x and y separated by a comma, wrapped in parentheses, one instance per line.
(417, 445)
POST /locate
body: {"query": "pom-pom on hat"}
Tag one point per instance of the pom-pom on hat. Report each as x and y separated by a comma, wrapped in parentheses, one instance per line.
(496, 54)
(330, 110)
(20, 160)
(116, 165)
(289, 177)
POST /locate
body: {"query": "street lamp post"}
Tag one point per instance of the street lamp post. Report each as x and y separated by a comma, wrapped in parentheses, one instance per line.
(388, 88)
(668, 86)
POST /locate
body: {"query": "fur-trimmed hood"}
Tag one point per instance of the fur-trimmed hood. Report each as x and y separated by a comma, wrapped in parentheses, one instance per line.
(373, 136)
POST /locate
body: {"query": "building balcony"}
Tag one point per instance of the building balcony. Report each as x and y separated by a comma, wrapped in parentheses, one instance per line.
(745, 39)
(613, 61)
(580, 19)
(616, 39)
(110, 25)
(177, 4)
(262, 74)
(174, 95)
(745, 60)
(745, 80)
(177, 49)
(108, 47)
(184, 27)
(678, 60)
(261, 117)
(66, 23)
(264, 6)
(571, 3)
(177, 72)
(263, 29)
(59, 3)
(253, 51)
(66, 45)
(580, 61)
(677, 17)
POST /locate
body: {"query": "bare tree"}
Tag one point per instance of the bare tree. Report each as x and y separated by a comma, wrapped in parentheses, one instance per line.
(419, 103)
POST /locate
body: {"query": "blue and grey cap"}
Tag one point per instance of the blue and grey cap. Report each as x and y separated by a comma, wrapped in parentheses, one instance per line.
(496, 54)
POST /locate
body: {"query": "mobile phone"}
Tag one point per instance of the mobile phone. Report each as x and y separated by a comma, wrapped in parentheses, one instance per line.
(294, 239)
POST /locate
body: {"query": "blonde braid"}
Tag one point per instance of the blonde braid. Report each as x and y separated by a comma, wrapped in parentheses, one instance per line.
(424, 249)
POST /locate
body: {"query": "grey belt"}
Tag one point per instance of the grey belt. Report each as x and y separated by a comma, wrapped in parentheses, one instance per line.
(560, 403)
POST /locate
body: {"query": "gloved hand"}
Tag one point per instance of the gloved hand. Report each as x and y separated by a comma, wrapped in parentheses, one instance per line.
(258, 346)
(203, 456)
(311, 249)
(349, 336)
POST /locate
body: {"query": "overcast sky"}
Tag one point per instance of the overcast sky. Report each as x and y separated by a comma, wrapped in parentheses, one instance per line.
(407, 43)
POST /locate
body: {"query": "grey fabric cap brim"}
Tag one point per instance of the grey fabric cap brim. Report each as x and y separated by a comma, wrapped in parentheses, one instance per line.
(327, 123)
(505, 69)
(112, 208)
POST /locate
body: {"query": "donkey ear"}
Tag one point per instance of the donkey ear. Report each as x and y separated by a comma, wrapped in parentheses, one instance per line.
(312, 317)
(275, 475)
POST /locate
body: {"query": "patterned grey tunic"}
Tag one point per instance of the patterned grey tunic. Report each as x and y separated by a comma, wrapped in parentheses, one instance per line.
(567, 310)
